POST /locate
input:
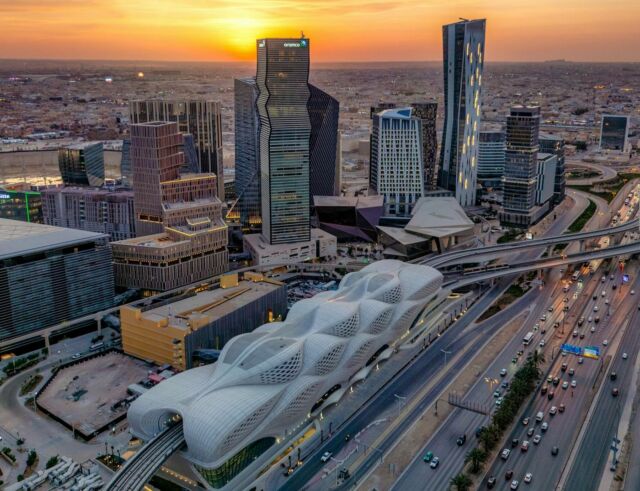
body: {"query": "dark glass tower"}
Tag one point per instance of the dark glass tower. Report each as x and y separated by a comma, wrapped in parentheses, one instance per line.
(463, 45)
(82, 164)
(285, 132)
(324, 159)
(555, 145)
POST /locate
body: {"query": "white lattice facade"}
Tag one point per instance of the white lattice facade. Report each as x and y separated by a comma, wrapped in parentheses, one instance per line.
(268, 381)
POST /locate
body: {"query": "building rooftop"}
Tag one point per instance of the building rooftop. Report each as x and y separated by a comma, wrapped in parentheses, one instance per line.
(209, 303)
(160, 240)
(82, 145)
(438, 217)
(348, 201)
(401, 113)
(19, 238)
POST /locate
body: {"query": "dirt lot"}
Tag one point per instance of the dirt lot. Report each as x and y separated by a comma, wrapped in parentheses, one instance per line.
(82, 395)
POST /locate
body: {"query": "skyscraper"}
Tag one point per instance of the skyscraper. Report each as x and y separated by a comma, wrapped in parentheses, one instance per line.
(125, 163)
(463, 44)
(427, 112)
(614, 132)
(200, 118)
(396, 164)
(285, 131)
(521, 167)
(82, 164)
(491, 158)
(555, 145)
(323, 145)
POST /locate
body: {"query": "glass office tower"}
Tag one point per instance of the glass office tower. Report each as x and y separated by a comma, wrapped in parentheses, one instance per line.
(82, 164)
(491, 158)
(285, 130)
(463, 44)
(323, 145)
(614, 132)
(554, 144)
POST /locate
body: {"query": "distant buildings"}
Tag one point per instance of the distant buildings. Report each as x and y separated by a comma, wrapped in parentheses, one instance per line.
(177, 327)
(82, 164)
(21, 205)
(200, 118)
(396, 168)
(491, 150)
(614, 132)
(463, 44)
(182, 237)
(554, 144)
(49, 275)
(104, 211)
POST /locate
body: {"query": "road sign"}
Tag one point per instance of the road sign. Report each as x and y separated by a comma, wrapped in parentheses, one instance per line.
(592, 352)
(569, 348)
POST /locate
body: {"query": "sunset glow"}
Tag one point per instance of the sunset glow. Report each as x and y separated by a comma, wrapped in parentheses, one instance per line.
(342, 30)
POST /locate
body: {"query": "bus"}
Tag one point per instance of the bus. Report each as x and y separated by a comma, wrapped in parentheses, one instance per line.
(527, 339)
(96, 346)
(575, 275)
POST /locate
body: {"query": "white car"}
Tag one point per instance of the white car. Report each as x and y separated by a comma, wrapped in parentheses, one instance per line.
(503, 372)
(505, 453)
(625, 356)
(565, 385)
(590, 319)
(595, 308)
(542, 342)
(553, 410)
(580, 360)
(544, 427)
(326, 456)
(514, 484)
(593, 328)
(605, 342)
(528, 477)
(633, 292)
(573, 384)
(606, 301)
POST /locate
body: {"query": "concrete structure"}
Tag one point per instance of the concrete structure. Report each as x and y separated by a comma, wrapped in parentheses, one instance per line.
(82, 164)
(94, 210)
(200, 118)
(171, 329)
(49, 275)
(614, 133)
(555, 145)
(463, 46)
(546, 177)
(285, 132)
(349, 218)
(267, 382)
(191, 239)
(396, 169)
(520, 207)
(427, 112)
(21, 205)
(491, 156)
(320, 245)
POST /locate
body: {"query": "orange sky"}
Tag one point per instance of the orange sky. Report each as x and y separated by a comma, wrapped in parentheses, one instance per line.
(340, 30)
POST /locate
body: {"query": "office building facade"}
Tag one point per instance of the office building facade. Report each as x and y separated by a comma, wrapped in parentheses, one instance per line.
(104, 211)
(546, 176)
(555, 145)
(491, 148)
(82, 164)
(427, 113)
(21, 205)
(614, 132)
(200, 118)
(324, 160)
(285, 131)
(463, 45)
(181, 236)
(125, 163)
(396, 164)
(49, 275)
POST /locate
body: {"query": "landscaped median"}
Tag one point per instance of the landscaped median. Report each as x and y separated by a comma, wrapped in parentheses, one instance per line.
(607, 190)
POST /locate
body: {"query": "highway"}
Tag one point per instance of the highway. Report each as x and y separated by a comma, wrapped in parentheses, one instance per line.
(135, 472)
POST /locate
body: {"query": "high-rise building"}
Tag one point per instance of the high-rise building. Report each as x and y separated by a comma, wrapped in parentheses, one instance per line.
(614, 132)
(491, 149)
(323, 145)
(521, 168)
(555, 145)
(247, 150)
(94, 210)
(200, 118)
(463, 44)
(181, 212)
(82, 164)
(285, 133)
(18, 204)
(546, 174)
(427, 112)
(396, 170)
(125, 163)
(49, 275)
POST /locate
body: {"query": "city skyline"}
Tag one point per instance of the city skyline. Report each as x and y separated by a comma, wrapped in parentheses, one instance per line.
(399, 31)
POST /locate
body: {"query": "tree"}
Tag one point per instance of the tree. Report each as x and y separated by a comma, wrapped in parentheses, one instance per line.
(487, 438)
(52, 462)
(476, 457)
(31, 458)
(461, 482)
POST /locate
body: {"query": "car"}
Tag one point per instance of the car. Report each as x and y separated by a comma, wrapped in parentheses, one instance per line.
(544, 389)
(491, 482)
(514, 360)
(556, 324)
(564, 366)
(505, 453)
(575, 333)
(544, 317)
(613, 376)
(434, 462)
(514, 484)
(633, 292)
(499, 401)
(595, 308)
(525, 421)
(596, 319)
(556, 381)
(550, 378)
(553, 410)
(593, 329)
(508, 475)
(544, 427)
(561, 407)
(603, 279)
(539, 416)
(605, 342)
(479, 430)
(565, 299)
(551, 394)
(550, 309)
(528, 477)
(625, 356)
(525, 446)
(496, 393)
(615, 392)
(543, 330)
(580, 360)
(574, 384)
(537, 439)
(75, 356)
(326, 456)
(590, 319)
(581, 321)
(554, 450)
(611, 277)
(542, 343)
(461, 440)
(614, 286)
(571, 372)
(428, 456)
(565, 385)
(531, 431)
(515, 442)
(581, 335)
(503, 372)
(504, 385)
(536, 326)
(606, 301)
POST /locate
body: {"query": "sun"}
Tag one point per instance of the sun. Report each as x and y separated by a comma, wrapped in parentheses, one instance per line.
(238, 35)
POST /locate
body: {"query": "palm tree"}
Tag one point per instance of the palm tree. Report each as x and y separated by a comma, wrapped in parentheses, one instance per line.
(477, 457)
(461, 482)
(487, 438)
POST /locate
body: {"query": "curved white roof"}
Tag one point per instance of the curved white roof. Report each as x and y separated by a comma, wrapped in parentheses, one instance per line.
(267, 381)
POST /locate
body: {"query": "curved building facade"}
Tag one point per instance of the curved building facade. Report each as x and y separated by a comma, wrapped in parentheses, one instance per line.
(267, 382)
